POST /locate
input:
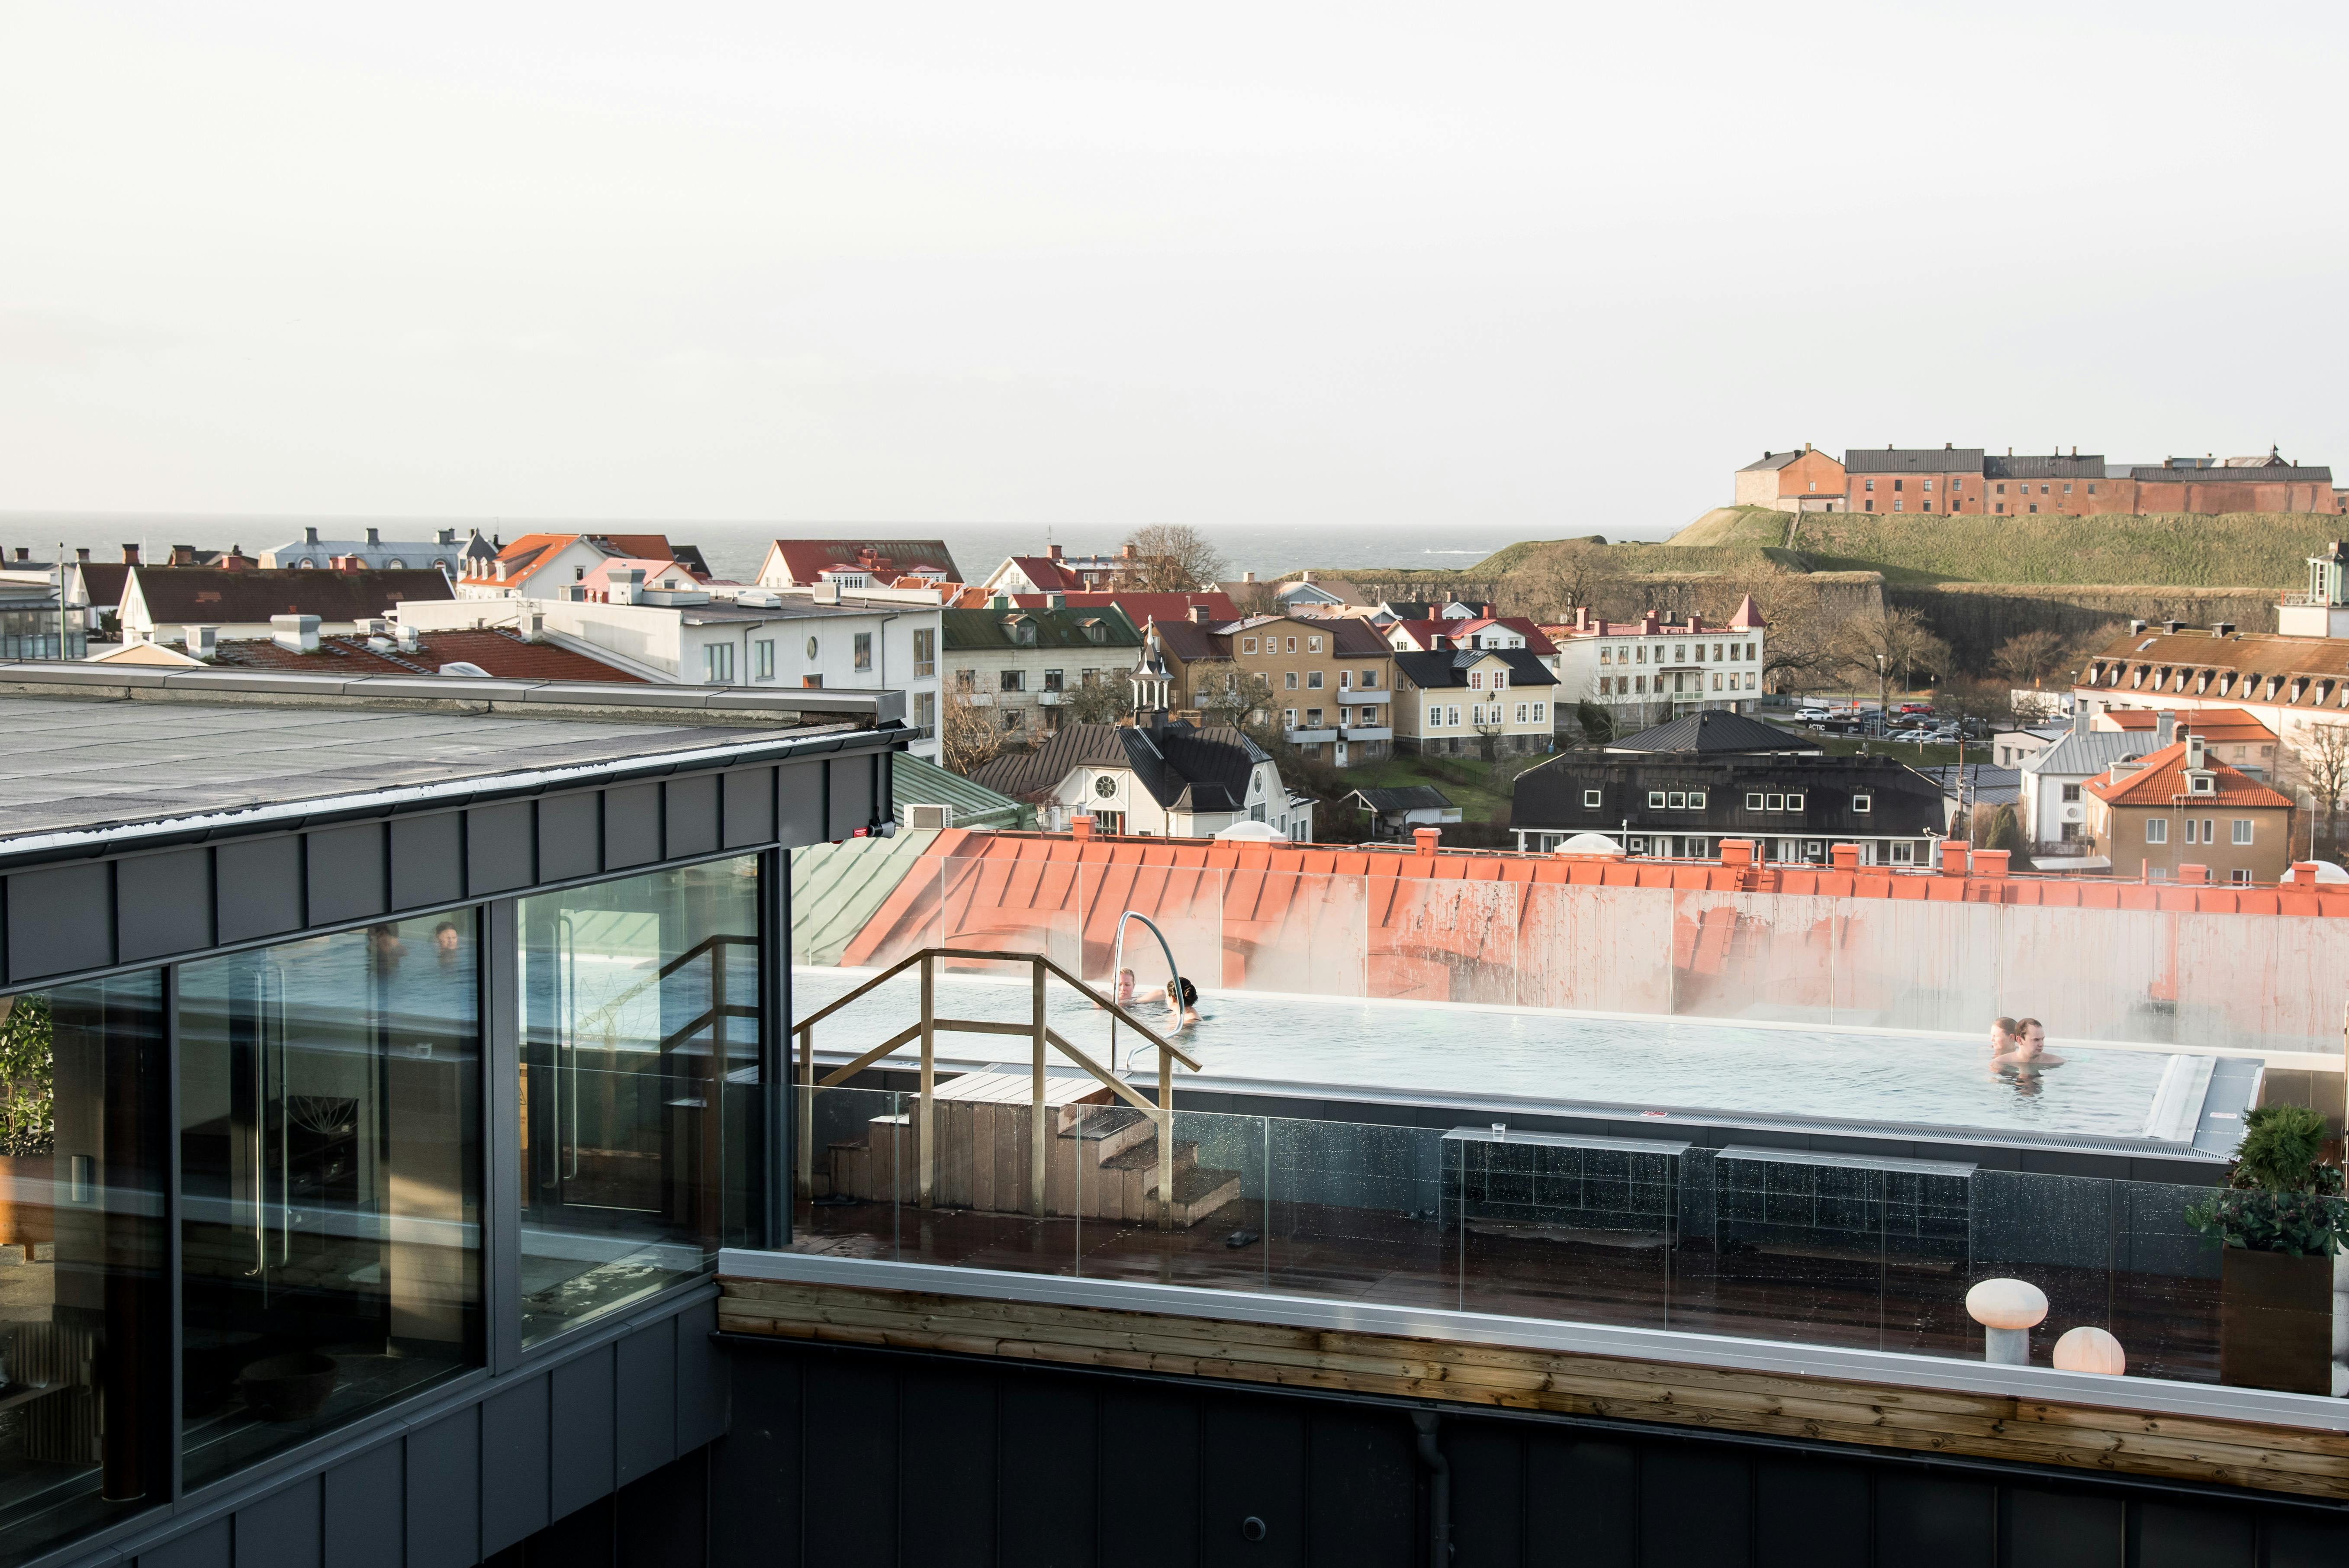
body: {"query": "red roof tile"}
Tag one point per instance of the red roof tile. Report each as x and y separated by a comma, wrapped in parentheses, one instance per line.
(2161, 781)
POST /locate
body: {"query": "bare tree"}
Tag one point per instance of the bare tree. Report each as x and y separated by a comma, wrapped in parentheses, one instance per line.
(970, 736)
(1103, 700)
(2321, 760)
(2029, 658)
(1896, 643)
(1174, 557)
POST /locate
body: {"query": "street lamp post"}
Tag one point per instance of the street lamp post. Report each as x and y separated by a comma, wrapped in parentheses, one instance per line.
(1883, 696)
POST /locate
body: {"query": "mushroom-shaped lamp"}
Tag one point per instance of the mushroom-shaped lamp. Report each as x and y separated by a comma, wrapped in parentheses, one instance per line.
(2007, 1310)
(2086, 1349)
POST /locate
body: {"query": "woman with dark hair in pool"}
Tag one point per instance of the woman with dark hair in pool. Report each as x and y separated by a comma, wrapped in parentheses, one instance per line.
(1185, 1014)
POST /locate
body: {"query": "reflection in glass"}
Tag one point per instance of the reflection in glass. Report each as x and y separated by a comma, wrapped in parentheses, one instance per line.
(329, 1149)
(85, 1378)
(640, 1024)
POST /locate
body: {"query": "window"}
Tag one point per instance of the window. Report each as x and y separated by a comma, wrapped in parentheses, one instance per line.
(1604, 657)
(1312, 645)
(2068, 490)
(2002, 507)
(89, 1138)
(1592, 799)
(1369, 680)
(1452, 717)
(1696, 800)
(1313, 680)
(1677, 801)
(1716, 651)
(1794, 801)
(925, 650)
(1288, 681)
(1868, 505)
(1606, 686)
(330, 1153)
(2092, 490)
(2071, 793)
(1521, 714)
(1500, 679)
(1313, 717)
(1013, 718)
(1900, 505)
(1292, 645)
(1247, 644)
(926, 710)
(763, 658)
(1871, 486)
(1642, 657)
(1289, 718)
(1345, 680)
(2241, 830)
(1680, 653)
(1775, 803)
(2043, 490)
(1863, 803)
(1898, 484)
(1903, 853)
(2000, 489)
(811, 650)
(639, 1004)
(1477, 680)
(1537, 713)
(1753, 800)
(2201, 784)
(1641, 683)
(966, 679)
(2241, 874)
(1655, 800)
(717, 663)
(1716, 680)
(1928, 487)
(1053, 680)
(1095, 632)
(1700, 653)
(1012, 679)
(2157, 831)
(2034, 507)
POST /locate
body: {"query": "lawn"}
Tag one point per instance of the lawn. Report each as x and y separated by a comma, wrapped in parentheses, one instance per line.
(1480, 789)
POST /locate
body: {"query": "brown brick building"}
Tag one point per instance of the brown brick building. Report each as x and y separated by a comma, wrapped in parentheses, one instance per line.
(1972, 481)
(2181, 806)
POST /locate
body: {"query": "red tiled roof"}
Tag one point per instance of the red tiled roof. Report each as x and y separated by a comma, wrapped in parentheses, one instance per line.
(2161, 781)
(808, 559)
(2222, 724)
(502, 653)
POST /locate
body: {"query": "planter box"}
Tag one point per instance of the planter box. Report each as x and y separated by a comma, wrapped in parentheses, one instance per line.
(2275, 1322)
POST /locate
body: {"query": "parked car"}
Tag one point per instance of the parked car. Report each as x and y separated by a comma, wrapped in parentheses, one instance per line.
(1916, 708)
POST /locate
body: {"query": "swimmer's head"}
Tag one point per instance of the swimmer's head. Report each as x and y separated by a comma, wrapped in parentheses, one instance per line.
(1190, 993)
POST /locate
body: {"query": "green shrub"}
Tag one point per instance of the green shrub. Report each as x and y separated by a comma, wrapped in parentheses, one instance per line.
(2279, 1197)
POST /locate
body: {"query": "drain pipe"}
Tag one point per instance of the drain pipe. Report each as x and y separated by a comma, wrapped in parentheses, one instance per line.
(1439, 1489)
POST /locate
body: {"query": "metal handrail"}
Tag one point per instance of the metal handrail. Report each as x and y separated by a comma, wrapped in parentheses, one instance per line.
(1117, 969)
(1043, 1038)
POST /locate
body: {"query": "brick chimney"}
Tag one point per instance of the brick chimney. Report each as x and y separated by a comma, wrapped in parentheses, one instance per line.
(1055, 550)
(131, 554)
(184, 554)
(1736, 852)
(1199, 615)
(1647, 623)
(1992, 863)
(1422, 841)
(1844, 856)
(1953, 858)
(1080, 826)
(1696, 621)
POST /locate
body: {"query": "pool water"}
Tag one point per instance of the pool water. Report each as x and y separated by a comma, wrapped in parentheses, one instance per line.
(1847, 1074)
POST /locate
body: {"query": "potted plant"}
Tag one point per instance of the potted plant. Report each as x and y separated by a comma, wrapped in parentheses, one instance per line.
(2281, 1217)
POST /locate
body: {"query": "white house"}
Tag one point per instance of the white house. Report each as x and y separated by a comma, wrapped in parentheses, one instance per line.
(1155, 780)
(760, 638)
(1651, 671)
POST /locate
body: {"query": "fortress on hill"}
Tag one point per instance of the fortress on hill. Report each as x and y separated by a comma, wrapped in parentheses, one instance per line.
(1971, 480)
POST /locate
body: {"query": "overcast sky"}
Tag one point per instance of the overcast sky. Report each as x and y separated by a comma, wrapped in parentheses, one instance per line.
(1542, 268)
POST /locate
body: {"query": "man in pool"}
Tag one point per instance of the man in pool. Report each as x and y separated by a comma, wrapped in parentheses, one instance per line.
(1185, 1013)
(2002, 1035)
(2029, 1053)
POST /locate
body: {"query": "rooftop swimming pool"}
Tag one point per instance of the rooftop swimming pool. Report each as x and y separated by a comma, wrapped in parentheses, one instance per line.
(1666, 1064)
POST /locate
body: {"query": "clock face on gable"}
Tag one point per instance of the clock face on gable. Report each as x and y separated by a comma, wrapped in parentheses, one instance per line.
(1105, 786)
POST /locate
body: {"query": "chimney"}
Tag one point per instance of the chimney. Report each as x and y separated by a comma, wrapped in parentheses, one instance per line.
(446, 537)
(1992, 863)
(1080, 826)
(129, 555)
(1198, 615)
(2172, 626)
(82, 554)
(1304, 576)
(372, 540)
(2136, 628)
(2194, 875)
(633, 591)
(1126, 554)
(1737, 852)
(203, 642)
(1947, 446)
(2080, 717)
(309, 536)
(1844, 856)
(2223, 628)
(1954, 858)
(1248, 577)
(404, 638)
(1696, 621)
(1488, 612)
(1055, 550)
(2164, 730)
(1000, 602)
(2197, 752)
(1422, 841)
(294, 633)
(1647, 623)
(1056, 600)
(531, 624)
(181, 555)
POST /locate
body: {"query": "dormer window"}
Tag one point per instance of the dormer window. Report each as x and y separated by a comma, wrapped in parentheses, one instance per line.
(1863, 803)
(2201, 782)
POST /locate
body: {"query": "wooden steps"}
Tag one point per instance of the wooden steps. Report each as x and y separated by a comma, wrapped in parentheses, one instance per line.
(1100, 1164)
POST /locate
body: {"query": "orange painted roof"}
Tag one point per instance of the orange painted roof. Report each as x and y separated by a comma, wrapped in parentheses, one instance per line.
(2161, 781)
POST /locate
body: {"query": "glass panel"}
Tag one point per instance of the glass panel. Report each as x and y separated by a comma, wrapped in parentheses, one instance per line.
(85, 1378)
(329, 1149)
(640, 1008)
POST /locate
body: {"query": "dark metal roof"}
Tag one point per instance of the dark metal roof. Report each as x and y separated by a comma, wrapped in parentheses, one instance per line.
(1914, 460)
(2307, 474)
(1902, 802)
(1770, 461)
(1450, 666)
(1715, 729)
(207, 596)
(1184, 766)
(2051, 467)
(991, 629)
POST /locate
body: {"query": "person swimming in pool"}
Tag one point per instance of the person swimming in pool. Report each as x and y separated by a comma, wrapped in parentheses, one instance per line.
(1185, 1013)
(2028, 1053)
(2003, 1032)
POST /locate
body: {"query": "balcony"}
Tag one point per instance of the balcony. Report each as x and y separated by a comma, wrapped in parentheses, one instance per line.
(1309, 737)
(1050, 699)
(977, 699)
(1366, 732)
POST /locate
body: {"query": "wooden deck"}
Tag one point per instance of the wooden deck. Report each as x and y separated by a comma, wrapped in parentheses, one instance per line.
(2314, 1464)
(2168, 1325)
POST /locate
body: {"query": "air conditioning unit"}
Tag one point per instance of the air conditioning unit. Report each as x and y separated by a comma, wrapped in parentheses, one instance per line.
(758, 599)
(939, 817)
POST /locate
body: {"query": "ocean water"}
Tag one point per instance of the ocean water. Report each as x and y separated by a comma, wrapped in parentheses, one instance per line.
(734, 549)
